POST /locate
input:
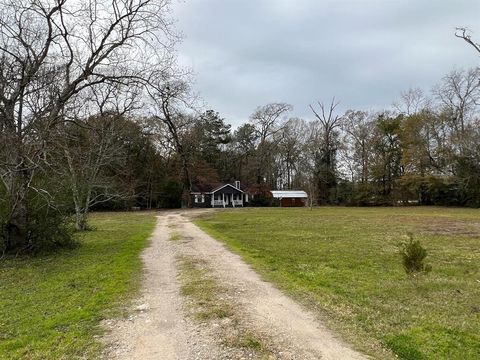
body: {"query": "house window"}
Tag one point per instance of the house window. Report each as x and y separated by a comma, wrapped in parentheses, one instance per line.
(199, 199)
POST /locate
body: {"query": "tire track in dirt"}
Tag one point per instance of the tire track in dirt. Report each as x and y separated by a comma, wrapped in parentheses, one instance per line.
(160, 327)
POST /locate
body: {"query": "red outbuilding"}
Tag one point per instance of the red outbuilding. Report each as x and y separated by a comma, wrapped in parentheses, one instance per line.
(290, 198)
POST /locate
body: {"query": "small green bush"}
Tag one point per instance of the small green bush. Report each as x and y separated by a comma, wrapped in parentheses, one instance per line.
(47, 229)
(413, 257)
(261, 201)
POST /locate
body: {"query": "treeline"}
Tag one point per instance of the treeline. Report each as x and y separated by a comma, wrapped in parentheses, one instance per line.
(425, 150)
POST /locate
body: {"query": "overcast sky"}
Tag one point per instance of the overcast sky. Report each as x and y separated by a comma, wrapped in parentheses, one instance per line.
(246, 53)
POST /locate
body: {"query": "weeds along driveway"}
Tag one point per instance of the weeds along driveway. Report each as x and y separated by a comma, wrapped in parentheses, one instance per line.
(201, 301)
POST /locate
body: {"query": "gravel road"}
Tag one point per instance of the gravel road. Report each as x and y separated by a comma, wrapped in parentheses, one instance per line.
(161, 328)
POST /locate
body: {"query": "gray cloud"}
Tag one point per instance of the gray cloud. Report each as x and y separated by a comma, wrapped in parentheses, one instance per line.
(251, 52)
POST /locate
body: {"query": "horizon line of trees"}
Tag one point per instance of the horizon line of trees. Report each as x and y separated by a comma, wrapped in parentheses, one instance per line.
(425, 150)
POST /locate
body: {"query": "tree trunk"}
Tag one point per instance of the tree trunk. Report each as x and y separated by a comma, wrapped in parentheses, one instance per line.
(187, 181)
(17, 186)
(82, 208)
(81, 223)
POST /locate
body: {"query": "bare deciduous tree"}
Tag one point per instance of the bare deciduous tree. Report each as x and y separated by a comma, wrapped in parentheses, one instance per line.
(328, 122)
(51, 51)
(412, 101)
(290, 141)
(459, 97)
(358, 128)
(89, 150)
(308, 162)
(171, 97)
(267, 120)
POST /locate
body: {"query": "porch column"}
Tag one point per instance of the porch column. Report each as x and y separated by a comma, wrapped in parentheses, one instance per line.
(213, 200)
(223, 199)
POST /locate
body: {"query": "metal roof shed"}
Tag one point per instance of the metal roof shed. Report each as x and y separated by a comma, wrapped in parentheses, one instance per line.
(290, 198)
(280, 194)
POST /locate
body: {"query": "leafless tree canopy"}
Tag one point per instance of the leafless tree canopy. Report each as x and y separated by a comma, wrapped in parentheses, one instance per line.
(267, 119)
(54, 55)
(411, 101)
(459, 93)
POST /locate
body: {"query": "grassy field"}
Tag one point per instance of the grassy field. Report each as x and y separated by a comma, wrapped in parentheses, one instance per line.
(344, 264)
(50, 306)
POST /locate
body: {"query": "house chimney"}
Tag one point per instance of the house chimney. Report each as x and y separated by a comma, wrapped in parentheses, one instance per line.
(237, 184)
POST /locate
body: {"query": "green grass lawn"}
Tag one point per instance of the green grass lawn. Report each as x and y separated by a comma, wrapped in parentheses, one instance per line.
(344, 264)
(50, 306)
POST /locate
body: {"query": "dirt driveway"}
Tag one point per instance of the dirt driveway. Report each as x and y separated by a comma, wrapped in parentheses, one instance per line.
(164, 325)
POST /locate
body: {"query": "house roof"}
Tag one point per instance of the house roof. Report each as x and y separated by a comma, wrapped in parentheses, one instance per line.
(278, 194)
(221, 187)
(210, 188)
